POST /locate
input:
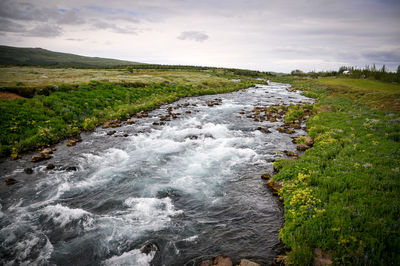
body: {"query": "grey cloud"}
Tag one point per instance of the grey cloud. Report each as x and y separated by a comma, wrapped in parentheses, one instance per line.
(388, 56)
(114, 28)
(7, 25)
(44, 30)
(25, 11)
(198, 36)
(70, 17)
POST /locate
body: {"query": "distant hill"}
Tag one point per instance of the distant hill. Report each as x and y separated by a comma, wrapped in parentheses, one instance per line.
(41, 57)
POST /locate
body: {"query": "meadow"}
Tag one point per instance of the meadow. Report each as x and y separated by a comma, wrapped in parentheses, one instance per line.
(342, 197)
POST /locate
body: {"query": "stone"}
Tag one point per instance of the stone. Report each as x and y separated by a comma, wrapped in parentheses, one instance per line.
(40, 157)
(188, 112)
(290, 131)
(291, 153)
(265, 176)
(264, 130)
(28, 171)
(47, 151)
(222, 260)
(275, 186)
(126, 135)
(71, 142)
(130, 121)
(148, 248)
(206, 263)
(245, 262)
(302, 147)
(281, 129)
(50, 166)
(112, 123)
(10, 181)
(309, 141)
(112, 132)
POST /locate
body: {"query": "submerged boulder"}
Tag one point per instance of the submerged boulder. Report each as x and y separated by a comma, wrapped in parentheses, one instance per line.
(10, 181)
(148, 248)
(28, 171)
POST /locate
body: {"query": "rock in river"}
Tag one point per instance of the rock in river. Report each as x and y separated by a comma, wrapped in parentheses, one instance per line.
(28, 171)
(10, 181)
(40, 157)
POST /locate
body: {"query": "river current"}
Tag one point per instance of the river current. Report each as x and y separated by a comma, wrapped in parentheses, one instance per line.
(185, 191)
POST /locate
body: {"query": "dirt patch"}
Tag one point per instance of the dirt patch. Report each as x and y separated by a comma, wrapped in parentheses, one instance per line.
(9, 95)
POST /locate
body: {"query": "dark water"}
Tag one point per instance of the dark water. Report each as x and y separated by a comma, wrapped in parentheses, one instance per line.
(191, 188)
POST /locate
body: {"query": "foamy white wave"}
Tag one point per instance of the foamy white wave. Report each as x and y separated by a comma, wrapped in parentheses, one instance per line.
(133, 257)
(191, 239)
(146, 209)
(62, 215)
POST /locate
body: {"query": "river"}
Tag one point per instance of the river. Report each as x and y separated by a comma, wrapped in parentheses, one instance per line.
(187, 190)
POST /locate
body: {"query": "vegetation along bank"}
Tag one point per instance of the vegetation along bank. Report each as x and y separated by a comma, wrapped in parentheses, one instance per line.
(342, 197)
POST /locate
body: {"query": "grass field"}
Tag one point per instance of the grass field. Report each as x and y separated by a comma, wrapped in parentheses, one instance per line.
(39, 76)
(343, 195)
(377, 95)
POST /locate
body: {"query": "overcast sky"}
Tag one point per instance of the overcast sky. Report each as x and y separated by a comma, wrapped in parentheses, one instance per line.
(276, 35)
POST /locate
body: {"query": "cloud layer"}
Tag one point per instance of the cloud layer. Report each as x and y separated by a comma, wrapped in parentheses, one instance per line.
(276, 35)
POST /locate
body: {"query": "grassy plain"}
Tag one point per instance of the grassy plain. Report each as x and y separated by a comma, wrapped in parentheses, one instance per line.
(343, 195)
(66, 101)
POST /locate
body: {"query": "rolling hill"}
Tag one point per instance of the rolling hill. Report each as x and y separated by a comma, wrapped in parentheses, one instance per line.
(40, 57)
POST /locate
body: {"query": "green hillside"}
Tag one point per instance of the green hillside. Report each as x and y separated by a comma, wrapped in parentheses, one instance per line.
(38, 56)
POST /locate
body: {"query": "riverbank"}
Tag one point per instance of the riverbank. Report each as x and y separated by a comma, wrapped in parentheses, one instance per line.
(341, 197)
(63, 111)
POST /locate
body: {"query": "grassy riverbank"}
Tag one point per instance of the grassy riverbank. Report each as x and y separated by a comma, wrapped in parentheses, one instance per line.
(342, 197)
(58, 111)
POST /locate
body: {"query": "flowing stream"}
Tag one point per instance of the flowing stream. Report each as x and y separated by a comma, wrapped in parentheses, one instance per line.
(182, 192)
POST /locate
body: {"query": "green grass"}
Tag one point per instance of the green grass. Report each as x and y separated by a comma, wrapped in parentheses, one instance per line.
(343, 195)
(375, 94)
(30, 123)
